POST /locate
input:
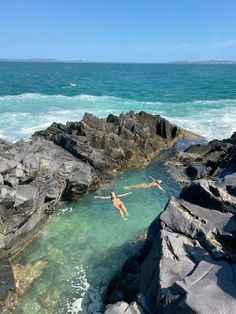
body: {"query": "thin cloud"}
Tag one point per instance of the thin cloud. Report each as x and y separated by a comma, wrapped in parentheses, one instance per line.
(218, 49)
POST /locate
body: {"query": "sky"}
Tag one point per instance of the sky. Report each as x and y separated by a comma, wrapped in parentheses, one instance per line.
(118, 30)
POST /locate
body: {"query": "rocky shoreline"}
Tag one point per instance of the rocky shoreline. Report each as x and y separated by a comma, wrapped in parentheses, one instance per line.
(64, 162)
(188, 261)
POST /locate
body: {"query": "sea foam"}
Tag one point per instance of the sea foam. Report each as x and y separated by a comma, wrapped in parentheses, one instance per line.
(22, 115)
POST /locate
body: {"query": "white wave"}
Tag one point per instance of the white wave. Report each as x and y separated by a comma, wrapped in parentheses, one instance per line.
(88, 300)
(207, 102)
(22, 115)
(72, 85)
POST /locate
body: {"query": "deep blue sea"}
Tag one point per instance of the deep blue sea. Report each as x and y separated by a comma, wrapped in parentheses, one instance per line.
(85, 243)
(199, 97)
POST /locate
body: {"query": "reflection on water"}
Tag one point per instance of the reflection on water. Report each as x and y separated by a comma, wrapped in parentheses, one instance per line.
(85, 243)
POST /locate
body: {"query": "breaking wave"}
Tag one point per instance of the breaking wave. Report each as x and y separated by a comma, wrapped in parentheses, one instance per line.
(22, 115)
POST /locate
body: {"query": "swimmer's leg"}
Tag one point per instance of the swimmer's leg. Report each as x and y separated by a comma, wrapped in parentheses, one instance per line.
(120, 212)
(124, 210)
(127, 187)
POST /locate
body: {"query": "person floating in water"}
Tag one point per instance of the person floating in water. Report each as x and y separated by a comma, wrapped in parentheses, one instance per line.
(117, 203)
(146, 185)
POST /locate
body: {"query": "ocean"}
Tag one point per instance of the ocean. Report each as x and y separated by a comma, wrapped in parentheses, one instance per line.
(199, 97)
(85, 243)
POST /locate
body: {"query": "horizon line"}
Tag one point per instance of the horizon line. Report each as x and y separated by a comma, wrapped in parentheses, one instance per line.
(52, 60)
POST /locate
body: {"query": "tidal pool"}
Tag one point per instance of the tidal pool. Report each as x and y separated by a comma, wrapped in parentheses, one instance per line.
(85, 244)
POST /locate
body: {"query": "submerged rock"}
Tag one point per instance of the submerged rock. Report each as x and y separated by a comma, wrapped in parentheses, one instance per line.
(19, 279)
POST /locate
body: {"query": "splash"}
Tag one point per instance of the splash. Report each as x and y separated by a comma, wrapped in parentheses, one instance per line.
(22, 115)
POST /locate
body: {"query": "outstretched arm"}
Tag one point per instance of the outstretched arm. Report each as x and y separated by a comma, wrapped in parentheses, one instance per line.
(155, 179)
(161, 188)
(125, 194)
(103, 197)
(152, 178)
(129, 187)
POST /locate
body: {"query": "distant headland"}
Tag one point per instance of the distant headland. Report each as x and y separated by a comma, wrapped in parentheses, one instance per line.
(51, 60)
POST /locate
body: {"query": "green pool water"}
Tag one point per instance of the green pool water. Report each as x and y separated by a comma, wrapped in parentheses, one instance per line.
(85, 244)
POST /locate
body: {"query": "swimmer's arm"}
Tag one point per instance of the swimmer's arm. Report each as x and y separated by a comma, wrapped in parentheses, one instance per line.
(161, 188)
(103, 197)
(129, 187)
(152, 178)
(125, 194)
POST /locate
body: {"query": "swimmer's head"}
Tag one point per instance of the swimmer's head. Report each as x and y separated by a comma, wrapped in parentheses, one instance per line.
(158, 181)
(113, 195)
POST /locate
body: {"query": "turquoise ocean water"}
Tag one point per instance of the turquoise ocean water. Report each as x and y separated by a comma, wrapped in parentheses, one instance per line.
(85, 243)
(199, 97)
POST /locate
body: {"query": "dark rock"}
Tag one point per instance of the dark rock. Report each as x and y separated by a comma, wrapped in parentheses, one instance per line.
(35, 175)
(113, 119)
(166, 129)
(130, 140)
(197, 171)
(132, 265)
(209, 194)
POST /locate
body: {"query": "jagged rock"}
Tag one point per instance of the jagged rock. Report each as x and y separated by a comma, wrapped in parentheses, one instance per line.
(166, 129)
(130, 140)
(209, 194)
(229, 182)
(191, 262)
(35, 175)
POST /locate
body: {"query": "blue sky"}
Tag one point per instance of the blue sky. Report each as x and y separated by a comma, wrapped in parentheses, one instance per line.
(118, 30)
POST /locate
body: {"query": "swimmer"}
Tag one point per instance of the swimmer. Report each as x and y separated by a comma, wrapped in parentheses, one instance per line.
(117, 203)
(146, 185)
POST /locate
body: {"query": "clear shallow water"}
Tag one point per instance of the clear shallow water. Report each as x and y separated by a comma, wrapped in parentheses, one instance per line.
(85, 244)
(201, 98)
